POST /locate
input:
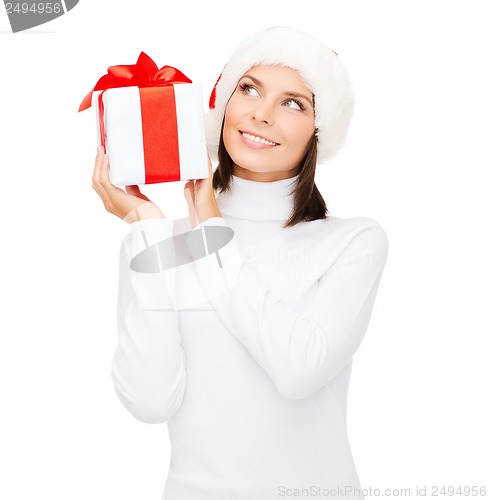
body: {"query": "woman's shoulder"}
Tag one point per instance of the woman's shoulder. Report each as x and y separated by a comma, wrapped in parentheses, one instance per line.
(346, 224)
(341, 231)
(350, 223)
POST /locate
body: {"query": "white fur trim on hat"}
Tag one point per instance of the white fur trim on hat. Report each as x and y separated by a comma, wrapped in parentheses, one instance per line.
(318, 65)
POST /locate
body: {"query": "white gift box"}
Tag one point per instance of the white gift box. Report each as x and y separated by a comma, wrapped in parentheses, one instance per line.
(153, 134)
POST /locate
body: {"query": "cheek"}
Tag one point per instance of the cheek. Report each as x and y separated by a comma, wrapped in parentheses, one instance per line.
(232, 120)
(227, 128)
(300, 132)
(229, 116)
(228, 136)
(231, 108)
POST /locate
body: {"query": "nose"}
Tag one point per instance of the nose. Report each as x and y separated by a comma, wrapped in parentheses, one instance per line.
(263, 112)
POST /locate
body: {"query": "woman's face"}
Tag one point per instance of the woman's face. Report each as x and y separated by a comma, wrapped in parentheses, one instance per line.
(268, 123)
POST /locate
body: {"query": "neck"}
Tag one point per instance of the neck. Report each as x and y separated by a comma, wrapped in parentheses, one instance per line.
(253, 200)
(275, 175)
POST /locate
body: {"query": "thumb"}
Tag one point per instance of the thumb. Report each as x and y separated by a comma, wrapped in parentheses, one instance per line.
(190, 193)
(190, 199)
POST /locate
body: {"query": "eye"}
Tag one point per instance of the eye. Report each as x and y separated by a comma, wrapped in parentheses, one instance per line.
(293, 104)
(248, 90)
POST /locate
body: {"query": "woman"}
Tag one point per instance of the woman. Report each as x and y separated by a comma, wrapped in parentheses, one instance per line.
(247, 356)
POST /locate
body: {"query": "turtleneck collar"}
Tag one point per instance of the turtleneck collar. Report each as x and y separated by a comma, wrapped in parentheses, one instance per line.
(252, 200)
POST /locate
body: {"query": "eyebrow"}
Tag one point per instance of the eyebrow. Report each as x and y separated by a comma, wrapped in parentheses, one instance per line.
(288, 94)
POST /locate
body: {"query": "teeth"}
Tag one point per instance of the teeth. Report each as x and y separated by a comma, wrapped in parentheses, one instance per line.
(258, 139)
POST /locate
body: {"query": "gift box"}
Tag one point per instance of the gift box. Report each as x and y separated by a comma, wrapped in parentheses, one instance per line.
(150, 122)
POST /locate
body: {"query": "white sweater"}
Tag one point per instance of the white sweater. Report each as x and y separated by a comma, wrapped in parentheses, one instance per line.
(249, 363)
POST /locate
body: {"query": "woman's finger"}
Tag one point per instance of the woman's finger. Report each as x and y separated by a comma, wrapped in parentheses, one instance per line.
(101, 162)
(210, 167)
(104, 175)
(105, 182)
(206, 184)
(106, 188)
(96, 168)
(190, 194)
(129, 206)
(112, 196)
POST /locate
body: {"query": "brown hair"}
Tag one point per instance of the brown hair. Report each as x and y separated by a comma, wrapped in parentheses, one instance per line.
(308, 203)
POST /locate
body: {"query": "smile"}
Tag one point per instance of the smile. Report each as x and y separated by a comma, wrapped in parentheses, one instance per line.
(258, 140)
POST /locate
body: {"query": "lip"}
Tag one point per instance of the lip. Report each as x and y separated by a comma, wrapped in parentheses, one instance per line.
(257, 145)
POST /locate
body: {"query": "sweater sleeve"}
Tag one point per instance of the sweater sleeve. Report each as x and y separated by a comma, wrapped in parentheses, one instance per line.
(300, 350)
(149, 365)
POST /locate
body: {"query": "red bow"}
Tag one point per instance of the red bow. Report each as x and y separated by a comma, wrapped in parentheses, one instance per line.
(144, 73)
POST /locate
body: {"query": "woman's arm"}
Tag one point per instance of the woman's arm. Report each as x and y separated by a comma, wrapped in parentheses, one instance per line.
(300, 350)
(149, 365)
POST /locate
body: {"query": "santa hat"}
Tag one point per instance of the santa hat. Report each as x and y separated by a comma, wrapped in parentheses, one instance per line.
(320, 69)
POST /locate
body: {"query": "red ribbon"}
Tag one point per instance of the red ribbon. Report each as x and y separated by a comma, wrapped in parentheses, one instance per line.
(144, 73)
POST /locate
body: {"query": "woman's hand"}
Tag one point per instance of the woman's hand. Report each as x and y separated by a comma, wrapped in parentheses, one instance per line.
(200, 196)
(129, 206)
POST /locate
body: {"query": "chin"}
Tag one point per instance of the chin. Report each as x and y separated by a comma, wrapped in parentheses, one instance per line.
(254, 161)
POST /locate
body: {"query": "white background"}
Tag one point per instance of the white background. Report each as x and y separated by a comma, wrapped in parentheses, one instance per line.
(415, 160)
